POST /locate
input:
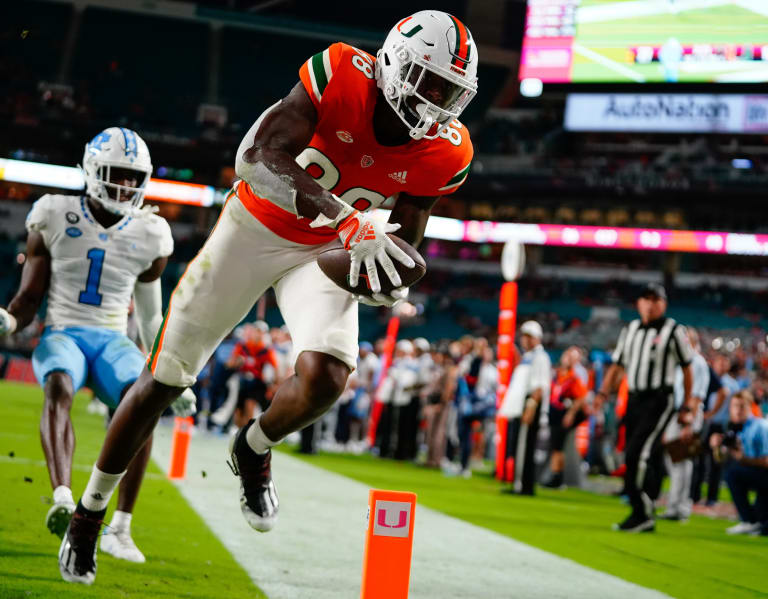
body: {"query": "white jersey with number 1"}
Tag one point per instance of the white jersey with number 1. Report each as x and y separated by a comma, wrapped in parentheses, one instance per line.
(94, 268)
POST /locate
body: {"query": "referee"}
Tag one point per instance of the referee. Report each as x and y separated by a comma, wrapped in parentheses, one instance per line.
(649, 350)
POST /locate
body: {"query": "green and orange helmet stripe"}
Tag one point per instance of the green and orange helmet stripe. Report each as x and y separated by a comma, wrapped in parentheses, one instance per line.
(462, 49)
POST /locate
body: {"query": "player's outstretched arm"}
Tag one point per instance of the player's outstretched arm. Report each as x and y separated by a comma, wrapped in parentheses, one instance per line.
(412, 213)
(35, 277)
(266, 158)
(148, 299)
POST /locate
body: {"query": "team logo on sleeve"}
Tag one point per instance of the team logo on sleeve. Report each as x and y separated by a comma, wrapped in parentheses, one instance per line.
(73, 232)
(72, 218)
(366, 161)
(345, 136)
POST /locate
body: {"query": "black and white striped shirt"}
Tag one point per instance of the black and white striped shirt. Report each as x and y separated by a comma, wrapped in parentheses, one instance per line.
(650, 353)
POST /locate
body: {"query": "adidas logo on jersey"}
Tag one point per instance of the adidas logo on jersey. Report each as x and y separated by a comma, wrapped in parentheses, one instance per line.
(399, 176)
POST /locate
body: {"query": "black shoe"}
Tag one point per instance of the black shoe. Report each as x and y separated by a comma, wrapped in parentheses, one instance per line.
(513, 491)
(554, 482)
(636, 523)
(258, 498)
(77, 554)
(673, 516)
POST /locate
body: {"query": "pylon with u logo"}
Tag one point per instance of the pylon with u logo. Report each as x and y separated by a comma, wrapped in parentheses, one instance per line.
(388, 545)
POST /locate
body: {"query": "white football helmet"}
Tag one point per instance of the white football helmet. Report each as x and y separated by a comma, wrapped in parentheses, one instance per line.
(427, 70)
(109, 157)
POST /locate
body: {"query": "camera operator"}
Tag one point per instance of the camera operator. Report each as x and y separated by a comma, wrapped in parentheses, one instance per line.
(744, 449)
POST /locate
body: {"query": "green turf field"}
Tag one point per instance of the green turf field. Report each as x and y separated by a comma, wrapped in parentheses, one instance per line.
(692, 560)
(727, 23)
(184, 559)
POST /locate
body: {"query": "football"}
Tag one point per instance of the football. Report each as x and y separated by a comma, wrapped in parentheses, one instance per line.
(334, 262)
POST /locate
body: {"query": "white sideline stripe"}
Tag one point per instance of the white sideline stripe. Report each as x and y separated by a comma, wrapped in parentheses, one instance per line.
(315, 551)
(607, 62)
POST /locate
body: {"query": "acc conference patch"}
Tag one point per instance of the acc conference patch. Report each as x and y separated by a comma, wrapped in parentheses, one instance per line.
(72, 218)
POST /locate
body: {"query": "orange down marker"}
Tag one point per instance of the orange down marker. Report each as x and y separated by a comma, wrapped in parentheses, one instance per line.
(182, 428)
(388, 545)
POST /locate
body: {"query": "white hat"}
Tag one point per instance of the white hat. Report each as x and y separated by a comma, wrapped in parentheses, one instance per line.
(532, 328)
(261, 326)
(421, 344)
(405, 346)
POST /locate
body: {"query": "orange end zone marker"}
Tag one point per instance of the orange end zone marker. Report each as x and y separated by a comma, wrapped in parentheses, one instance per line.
(182, 431)
(388, 545)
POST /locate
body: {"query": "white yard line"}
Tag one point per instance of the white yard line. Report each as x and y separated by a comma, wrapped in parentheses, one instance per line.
(315, 552)
(608, 63)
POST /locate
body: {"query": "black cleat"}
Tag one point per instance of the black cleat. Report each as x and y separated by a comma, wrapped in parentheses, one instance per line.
(258, 497)
(636, 523)
(77, 554)
(554, 482)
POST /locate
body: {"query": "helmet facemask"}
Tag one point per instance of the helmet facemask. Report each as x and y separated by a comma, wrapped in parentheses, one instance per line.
(425, 96)
(125, 200)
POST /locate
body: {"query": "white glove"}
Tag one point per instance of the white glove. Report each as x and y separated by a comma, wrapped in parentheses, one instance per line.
(367, 241)
(7, 322)
(397, 296)
(185, 404)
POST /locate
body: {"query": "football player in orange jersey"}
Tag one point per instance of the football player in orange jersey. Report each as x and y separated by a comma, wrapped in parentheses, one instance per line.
(354, 131)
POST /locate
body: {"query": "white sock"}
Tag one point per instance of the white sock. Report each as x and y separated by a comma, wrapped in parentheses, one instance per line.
(63, 494)
(121, 521)
(257, 440)
(99, 489)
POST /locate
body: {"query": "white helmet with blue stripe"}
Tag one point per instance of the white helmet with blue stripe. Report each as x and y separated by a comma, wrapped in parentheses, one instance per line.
(112, 157)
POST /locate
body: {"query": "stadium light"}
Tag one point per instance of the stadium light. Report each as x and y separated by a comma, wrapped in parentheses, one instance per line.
(69, 177)
(440, 227)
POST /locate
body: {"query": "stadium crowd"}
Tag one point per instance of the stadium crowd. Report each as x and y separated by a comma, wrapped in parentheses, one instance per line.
(435, 404)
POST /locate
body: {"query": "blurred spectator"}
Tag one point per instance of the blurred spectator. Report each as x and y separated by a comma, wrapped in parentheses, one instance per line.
(221, 374)
(409, 414)
(368, 364)
(437, 397)
(395, 392)
(704, 465)
(526, 403)
(744, 448)
(683, 433)
(567, 409)
(475, 399)
(719, 421)
(251, 357)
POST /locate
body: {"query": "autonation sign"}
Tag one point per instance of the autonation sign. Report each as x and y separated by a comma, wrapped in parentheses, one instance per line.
(684, 113)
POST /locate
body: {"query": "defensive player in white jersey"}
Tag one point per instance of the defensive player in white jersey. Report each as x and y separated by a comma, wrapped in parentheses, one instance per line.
(89, 254)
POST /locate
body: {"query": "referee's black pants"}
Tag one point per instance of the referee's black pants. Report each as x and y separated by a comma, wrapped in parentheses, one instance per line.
(647, 416)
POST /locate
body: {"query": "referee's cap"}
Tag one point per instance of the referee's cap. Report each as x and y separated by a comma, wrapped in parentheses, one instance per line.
(532, 328)
(654, 290)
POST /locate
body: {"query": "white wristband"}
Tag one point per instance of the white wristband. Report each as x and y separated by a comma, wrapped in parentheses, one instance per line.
(321, 220)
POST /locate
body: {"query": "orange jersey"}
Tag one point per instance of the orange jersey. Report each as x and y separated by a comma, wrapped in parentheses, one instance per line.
(344, 156)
